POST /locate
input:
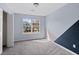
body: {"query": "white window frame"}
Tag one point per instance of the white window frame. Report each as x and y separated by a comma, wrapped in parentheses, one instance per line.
(31, 27)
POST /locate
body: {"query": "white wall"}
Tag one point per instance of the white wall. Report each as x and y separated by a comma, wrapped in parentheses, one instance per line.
(18, 28)
(1, 17)
(10, 36)
(59, 21)
(10, 30)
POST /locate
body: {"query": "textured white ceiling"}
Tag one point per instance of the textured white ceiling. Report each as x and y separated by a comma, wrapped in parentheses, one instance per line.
(27, 8)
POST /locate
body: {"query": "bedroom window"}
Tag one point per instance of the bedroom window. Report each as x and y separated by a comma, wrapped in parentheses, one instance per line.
(30, 25)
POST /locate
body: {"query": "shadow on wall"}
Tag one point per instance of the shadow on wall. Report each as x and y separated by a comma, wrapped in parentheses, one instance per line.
(50, 36)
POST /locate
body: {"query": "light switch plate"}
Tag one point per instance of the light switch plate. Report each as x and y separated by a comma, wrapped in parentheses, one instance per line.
(74, 46)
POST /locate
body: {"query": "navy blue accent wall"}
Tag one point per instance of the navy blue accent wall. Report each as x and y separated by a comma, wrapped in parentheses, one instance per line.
(70, 38)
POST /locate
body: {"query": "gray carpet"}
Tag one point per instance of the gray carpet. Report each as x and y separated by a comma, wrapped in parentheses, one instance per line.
(35, 47)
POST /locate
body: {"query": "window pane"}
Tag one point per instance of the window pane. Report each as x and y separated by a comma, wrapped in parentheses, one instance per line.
(30, 25)
(27, 25)
(35, 26)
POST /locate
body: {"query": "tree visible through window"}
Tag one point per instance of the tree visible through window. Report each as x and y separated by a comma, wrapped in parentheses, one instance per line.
(30, 25)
